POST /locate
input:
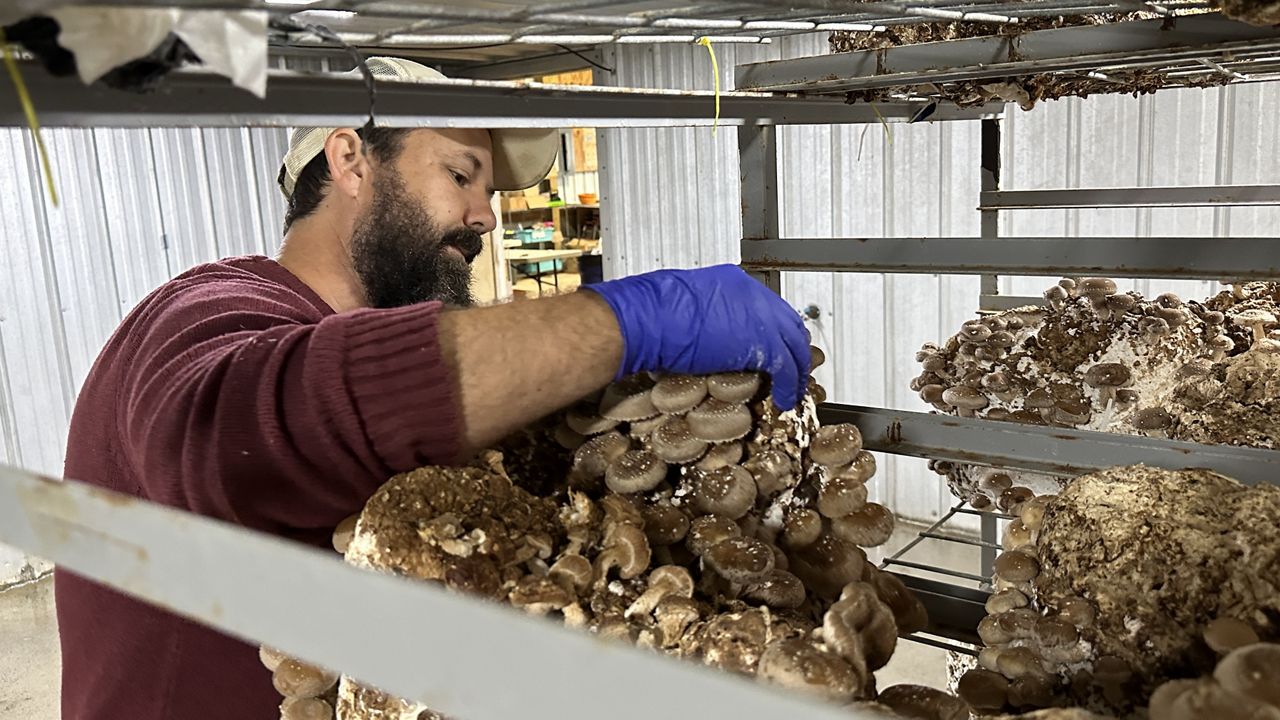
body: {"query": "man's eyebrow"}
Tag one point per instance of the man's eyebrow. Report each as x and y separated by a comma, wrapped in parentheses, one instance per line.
(473, 159)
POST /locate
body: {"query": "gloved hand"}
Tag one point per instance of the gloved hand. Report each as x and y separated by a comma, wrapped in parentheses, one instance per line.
(715, 319)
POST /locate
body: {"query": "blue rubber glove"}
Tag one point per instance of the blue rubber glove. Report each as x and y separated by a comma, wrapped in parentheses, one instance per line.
(715, 319)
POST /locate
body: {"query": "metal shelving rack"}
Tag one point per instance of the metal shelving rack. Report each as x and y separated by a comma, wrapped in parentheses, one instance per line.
(240, 588)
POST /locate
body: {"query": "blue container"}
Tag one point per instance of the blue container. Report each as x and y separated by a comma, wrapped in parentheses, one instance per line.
(532, 235)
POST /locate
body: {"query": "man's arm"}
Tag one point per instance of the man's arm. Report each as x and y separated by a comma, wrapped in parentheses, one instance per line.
(517, 362)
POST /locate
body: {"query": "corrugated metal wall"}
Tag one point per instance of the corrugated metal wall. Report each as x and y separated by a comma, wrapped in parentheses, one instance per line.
(670, 198)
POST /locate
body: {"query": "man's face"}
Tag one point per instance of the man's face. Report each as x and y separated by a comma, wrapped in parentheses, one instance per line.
(425, 219)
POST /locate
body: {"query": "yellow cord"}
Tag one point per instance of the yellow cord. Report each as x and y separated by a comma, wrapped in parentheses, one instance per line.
(715, 70)
(888, 131)
(24, 98)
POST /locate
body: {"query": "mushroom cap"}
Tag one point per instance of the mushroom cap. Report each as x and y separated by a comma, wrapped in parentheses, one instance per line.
(817, 392)
(909, 613)
(673, 579)
(923, 703)
(1006, 600)
(1055, 293)
(675, 394)
(983, 690)
(816, 357)
(729, 491)
(593, 458)
(828, 564)
(780, 590)
(835, 445)
(771, 470)
(974, 331)
(643, 429)
(294, 678)
(1168, 300)
(870, 526)
(859, 627)
(996, 382)
(567, 438)
(734, 388)
(1160, 707)
(1253, 316)
(796, 664)
(540, 594)
(344, 532)
(721, 455)
(1055, 632)
(1210, 701)
(628, 399)
(665, 524)
(675, 443)
(1039, 399)
(708, 531)
(1096, 287)
(1077, 611)
(626, 549)
(1121, 303)
(310, 708)
(1227, 633)
(1012, 499)
(1016, 566)
(840, 496)
(964, 397)
(1152, 418)
(741, 560)
(635, 471)
(932, 393)
(1252, 671)
(860, 470)
(585, 421)
(715, 420)
(802, 527)
(1031, 514)
(1108, 375)
(572, 572)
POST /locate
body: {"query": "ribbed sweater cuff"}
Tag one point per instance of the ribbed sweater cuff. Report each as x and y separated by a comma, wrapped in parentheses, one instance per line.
(403, 389)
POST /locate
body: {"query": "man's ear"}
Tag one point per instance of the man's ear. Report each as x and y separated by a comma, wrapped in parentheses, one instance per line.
(349, 168)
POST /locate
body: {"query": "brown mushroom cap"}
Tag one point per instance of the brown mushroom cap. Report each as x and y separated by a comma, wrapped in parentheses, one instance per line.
(1252, 671)
(840, 496)
(923, 703)
(741, 560)
(1031, 512)
(627, 549)
(592, 459)
(628, 399)
(718, 421)
(540, 595)
(675, 443)
(1152, 418)
(294, 678)
(729, 491)
(964, 398)
(585, 421)
(932, 393)
(567, 438)
(771, 470)
(734, 388)
(1160, 707)
(665, 524)
(708, 531)
(868, 527)
(310, 708)
(344, 532)
(1033, 690)
(634, 472)
(860, 470)
(675, 394)
(1055, 632)
(909, 613)
(721, 455)
(991, 632)
(816, 357)
(984, 690)
(1017, 662)
(780, 590)
(1212, 701)
(1011, 500)
(835, 445)
(802, 527)
(1108, 375)
(662, 582)
(1005, 600)
(828, 564)
(1077, 611)
(1096, 288)
(797, 665)
(859, 627)
(572, 572)
(1017, 567)
(1039, 399)
(270, 657)
(1226, 634)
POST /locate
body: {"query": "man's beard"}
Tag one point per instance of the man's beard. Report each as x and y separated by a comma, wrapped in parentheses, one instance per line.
(401, 255)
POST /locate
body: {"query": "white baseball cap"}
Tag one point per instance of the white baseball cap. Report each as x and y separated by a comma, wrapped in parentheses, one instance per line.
(521, 156)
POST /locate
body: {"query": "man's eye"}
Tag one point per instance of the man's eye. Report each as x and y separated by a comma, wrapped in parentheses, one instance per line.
(460, 178)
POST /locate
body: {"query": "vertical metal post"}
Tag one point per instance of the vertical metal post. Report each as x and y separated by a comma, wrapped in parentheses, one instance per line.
(990, 158)
(758, 172)
(991, 535)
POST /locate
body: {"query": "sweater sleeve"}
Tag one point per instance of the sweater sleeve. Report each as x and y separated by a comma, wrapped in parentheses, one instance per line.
(236, 407)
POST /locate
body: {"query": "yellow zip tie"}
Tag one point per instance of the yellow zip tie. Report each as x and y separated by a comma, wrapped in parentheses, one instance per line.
(888, 131)
(29, 108)
(715, 70)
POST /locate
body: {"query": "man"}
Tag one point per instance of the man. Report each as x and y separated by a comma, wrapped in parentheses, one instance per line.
(279, 394)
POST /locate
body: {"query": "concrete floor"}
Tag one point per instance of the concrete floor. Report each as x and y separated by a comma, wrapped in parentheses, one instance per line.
(30, 660)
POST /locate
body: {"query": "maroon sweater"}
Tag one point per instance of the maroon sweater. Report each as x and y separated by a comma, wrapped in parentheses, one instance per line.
(234, 391)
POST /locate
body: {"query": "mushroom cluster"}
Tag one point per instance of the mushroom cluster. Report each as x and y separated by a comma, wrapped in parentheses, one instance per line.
(1097, 359)
(690, 516)
(1103, 589)
(1245, 683)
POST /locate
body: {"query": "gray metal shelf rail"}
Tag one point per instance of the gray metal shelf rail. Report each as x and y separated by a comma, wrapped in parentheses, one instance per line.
(267, 590)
